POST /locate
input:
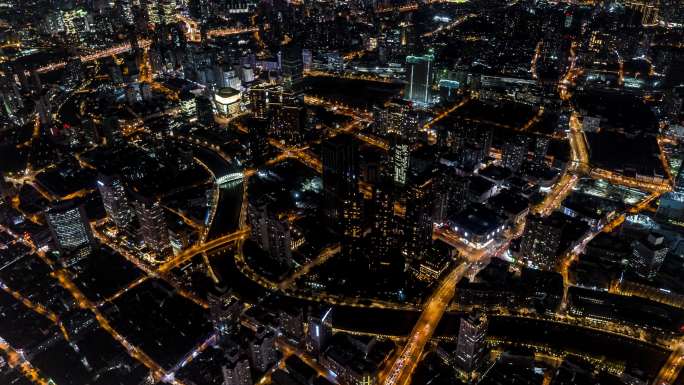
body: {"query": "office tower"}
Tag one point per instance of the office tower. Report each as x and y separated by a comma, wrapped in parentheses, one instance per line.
(418, 220)
(263, 350)
(319, 330)
(70, 228)
(400, 159)
(153, 227)
(384, 257)
(419, 70)
(235, 369)
(115, 201)
(224, 311)
(292, 64)
(470, 347)
(541, 240)
(514, 152)
(648, 255)
(270, 232)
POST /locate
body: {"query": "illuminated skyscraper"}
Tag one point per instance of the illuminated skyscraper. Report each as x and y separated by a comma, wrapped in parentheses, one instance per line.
(384, 256)
(76, 24)
(541, 147)
(342, 200)
(224, 311)
(515, 152)
(419, 70)
(70, 228)
(153, 228)
(470, 347)
(167, 11)
(401, 156)
(263, 350)
(541, 240)
(340, 159)
(418, 221)
(235, 369)
(269, 231)
(115, 201)
(648, 255)
(292, 64)
(319, 330)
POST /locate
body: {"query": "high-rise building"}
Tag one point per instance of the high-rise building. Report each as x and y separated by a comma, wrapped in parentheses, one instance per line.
(342, 199)
(319, 330)
(112, 131)
(418, 220)
(515, 152)
(397, 117)
(5, 188)
(257, 140)
(124, 9)
(292, 64)
(167, 11)
(260, 98)
(470, 347)
(115, 201)
(224, 311)
(340, 159)
(400, 159)
(43, 109)
(235, 369)
(648, 255)
(541, 147)
(151, 10)
(205, 111)
(419, 70)
(541, 240)
(287, 118)
(671, 13)
(76, 24)
(70, 228)
(442, 191)
(291, 322)
(153, 227)
(271, 233)
(384, 256)
(263, 350)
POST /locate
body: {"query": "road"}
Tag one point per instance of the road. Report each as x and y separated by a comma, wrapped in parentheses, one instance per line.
(17, 360)
(673, 366)
(401, 370)
(321, 258)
